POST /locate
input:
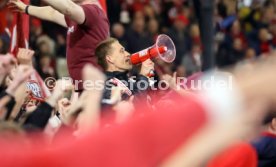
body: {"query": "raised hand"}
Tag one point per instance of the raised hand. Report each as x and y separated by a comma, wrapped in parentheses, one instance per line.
(64, 106)
(17, 6)
(21, 74)
(25, 56)
(147, 67)
(7, 62)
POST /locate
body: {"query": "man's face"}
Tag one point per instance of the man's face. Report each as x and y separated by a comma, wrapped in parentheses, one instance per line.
(118, 59)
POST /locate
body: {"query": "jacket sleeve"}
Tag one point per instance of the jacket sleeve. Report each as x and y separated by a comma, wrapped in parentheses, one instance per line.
(141, 84)
(39, 118)
(9, 106)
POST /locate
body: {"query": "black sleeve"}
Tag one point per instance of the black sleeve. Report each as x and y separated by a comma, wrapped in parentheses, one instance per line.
(9, 106)
(39, 118)
(141, 84)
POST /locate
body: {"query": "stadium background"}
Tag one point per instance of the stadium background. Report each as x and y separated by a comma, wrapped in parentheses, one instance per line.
(243, 30)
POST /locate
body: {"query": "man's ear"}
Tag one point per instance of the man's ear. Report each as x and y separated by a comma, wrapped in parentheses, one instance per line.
(109, 59)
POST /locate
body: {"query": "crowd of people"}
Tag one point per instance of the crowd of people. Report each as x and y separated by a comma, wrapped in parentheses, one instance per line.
(120, 115)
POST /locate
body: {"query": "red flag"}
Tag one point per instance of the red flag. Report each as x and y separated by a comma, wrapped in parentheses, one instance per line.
(20, 31)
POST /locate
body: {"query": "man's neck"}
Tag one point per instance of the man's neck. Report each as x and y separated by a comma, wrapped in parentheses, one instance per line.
(113, 69)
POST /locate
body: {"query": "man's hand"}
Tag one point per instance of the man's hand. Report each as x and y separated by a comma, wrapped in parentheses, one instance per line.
(17, 6)
(61, 86)
(7, 62)
(147, 67)
(25, 56)
(63, 108)
(21, 74)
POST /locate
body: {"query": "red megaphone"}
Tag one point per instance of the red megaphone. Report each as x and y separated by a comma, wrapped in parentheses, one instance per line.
(163, 48)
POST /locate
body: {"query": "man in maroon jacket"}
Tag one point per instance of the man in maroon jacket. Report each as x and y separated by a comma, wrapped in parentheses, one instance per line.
(87, 25)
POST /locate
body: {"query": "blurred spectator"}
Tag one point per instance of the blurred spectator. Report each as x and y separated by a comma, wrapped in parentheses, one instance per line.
(272, 29)
(61, 64)
(153, 28)
(3, 46)
(250, 54)
(235, 33)
(195, 34)
(230, 55)
(35, 32)
(192, 61)
(181, 71)
(137, 38)
(263, 44)
(45, 69)
(118, 31)
(180, 37)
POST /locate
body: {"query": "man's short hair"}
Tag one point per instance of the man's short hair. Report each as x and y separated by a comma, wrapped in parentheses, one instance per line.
(104, 49)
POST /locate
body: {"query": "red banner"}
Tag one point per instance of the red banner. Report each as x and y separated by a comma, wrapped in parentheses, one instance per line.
(20, 31)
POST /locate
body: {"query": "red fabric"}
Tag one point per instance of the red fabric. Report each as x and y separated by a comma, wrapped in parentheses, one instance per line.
(265, 47)
(20, 31)
(141, 142)
(82, 40)
(239, 155)
(3, 21)
(103, 4)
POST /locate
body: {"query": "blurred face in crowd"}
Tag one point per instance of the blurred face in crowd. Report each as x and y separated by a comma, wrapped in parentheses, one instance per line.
(194, 31)
(263, 35)
(181, 71)
(118, 30)
(179, 25)
(196, 49)
(250, 53)
(236, 28)
(268, 14)
(153, 26)
(149, 12)
(44, 47)
(237, 44)
(139, 22)
(45, 61)
(118, 59)
(272, 28)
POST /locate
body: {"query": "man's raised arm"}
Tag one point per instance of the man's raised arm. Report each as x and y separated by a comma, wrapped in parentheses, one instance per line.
(44, 13)
(68, 8)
